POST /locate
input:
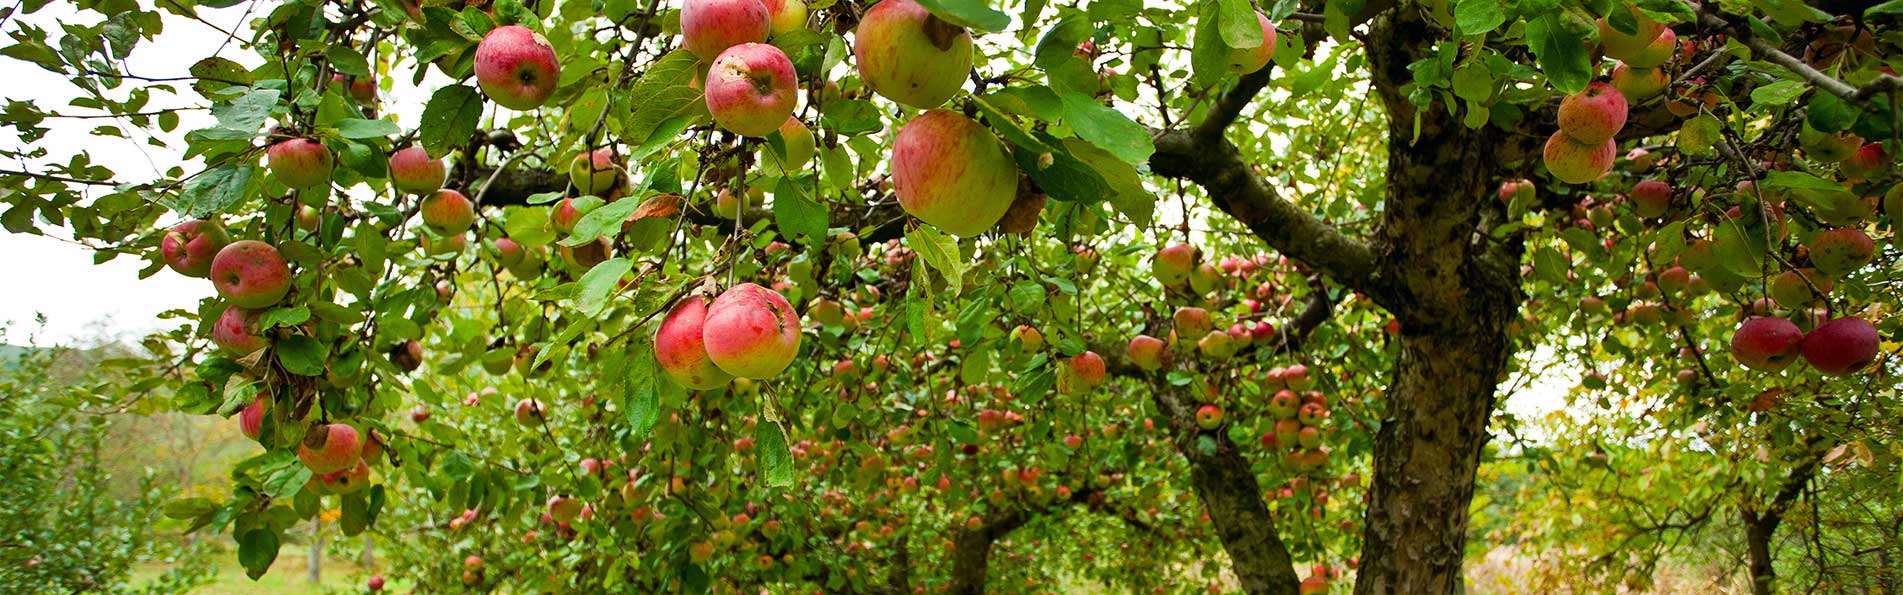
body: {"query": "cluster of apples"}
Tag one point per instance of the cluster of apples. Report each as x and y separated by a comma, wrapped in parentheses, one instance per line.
(1182, 270)
(748, 331)
(1301, 418)
(1835, 347)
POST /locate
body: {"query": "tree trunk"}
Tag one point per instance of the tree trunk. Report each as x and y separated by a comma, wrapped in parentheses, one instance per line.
(314, 566)
(1758, 532)
(1226, 485)
(971, 556)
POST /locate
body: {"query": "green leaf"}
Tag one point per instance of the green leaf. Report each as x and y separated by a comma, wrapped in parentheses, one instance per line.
(450, 118)
(218, 76)
(776, 459)
(287, 480)
(189, 508)
(797, 215)
(1474, 17)
(645, 383)
(970, 14)
(940, 252)
(347, 61)
(1559, 41)
(851, 117)
(291, 316)
(257, 550)
(1107, 128)
(1007, 127)
(1240, 28)
(302, 355)
(1778, 93)
(356, 514)
(456, 466)
(1127, 192)
(1698, 135)
(599, 283)
(1208, 55)
(358, 128)
(601, 221)
(248, 113)
(1893, 7)
(218, 189)
(664, 91)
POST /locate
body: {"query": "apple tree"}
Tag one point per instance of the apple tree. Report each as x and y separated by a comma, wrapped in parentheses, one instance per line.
(944, 296)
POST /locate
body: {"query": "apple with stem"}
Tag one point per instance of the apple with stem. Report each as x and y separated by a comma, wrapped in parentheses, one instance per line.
(751, 89)
(188, 248)
(908, 55)
(517, 68)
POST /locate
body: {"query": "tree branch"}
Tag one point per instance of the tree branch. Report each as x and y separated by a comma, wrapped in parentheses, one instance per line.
(1234, 187)
(1775, 55)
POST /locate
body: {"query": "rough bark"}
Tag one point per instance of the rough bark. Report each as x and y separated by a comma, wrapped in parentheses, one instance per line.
(971, 554)
(1229, 492)
(1760, 526)
(1454, 294)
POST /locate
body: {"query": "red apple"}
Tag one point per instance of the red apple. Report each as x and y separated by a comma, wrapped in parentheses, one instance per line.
(237, 332)
(250, 274)
(785, 15)
(910, 56)
(251, 418)
(1146, 352)
(1842, 346)
(412, 170)
(299, 162)
(1209, 417)
(448, 212)
(1574, 162)
(563, 508)
(346, 481)
(751, 332)
(1651, 198)
(1869, 161)
(951, 172)
(1080, 372)
(681, 350)
(330, 447)
(530, 412)
(517, 68)
(1174, 263)
(1247, 60)
(1593, 116)
(751, 89)
(188, 248)
(709, 27)
(1766, 344)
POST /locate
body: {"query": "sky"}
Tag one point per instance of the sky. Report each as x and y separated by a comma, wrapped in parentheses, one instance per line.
(82, 302)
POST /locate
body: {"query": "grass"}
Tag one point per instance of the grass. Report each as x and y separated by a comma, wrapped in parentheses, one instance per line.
(285, 578)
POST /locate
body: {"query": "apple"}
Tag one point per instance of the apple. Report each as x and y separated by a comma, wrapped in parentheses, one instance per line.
(251, 418)
(709, 27)
(517, 68)
(1216, 345)
(1651, 198)
(798, 143)
(909, 55)
(1288, 432)
(347, 481)
(1311, 414)
(362, 90)
(563, 508)
(1081, 372)
(188, 248)
(448, 212)
(1284, 404)
(682, 352)
(1638, 84)
(1521, 189)
(1594, 115)
(330, 447)
(587, 255)
(1205, 278)
(529, 412)
(1826, 147)
(1574, 162)
(1247, 60)
(564, 216)
(1793, 289)
(1842, 346)
(1209, 417)
(1766, 344)
(1673, 280)
(751, 332)
(1621, 45)
(1868, 161)
(595, 172)
(1191, 321)
(509, 253)
(419, 414)
(414, 171)
(473, 562)
(236, 332)
(407, 355)
(250, 274)
(1653, 54)
(1146, 352)
(1296, 376)
(1310, 437)
(951, 172)
(784, 16)
(1836, 252)
(1313, 585)
(1027, 338)
(1173, 264)
(299, 162)
(441, 245)
(375, 583)
(751, 89)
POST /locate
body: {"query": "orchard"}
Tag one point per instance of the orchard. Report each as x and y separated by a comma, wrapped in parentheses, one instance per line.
(948, 296)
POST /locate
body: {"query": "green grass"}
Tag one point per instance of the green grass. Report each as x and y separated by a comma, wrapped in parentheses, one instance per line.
(285, 578)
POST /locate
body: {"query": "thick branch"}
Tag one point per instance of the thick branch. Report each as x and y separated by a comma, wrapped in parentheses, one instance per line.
(1226, 484)
(1234, 187)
